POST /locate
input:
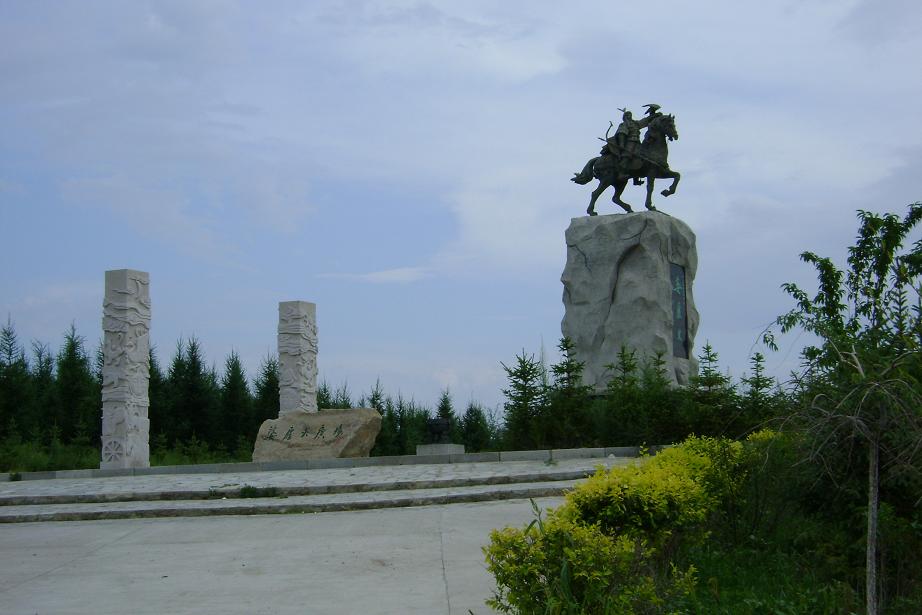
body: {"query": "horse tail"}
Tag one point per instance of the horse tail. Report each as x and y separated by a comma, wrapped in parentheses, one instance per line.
(584, 176)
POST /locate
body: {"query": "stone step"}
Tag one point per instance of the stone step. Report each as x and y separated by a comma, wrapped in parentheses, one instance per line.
(327, 502)
(294, 482)
(247, 490)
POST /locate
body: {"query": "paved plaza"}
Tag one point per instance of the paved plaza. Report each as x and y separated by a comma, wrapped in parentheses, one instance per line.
(422, 560)
(390, 543)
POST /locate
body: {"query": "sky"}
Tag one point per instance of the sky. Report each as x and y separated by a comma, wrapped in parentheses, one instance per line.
(406, 165)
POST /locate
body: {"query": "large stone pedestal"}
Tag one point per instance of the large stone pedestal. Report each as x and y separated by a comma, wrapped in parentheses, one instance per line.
(628, 283)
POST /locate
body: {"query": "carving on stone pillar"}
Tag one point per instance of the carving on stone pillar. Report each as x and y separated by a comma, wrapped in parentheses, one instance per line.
(297, 345)
(126, 370)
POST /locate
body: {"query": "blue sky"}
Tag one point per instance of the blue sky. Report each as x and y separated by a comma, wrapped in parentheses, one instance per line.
(405, 165)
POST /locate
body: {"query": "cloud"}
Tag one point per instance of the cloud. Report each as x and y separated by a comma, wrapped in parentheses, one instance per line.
(514, 47)
(151, 211)
(400, 275)
(881, 23)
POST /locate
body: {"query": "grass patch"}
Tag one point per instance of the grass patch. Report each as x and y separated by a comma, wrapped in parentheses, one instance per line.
(249, 491)
(755, 581)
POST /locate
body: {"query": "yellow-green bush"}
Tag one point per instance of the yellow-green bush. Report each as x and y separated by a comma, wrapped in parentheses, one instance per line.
(560, 566)
(606, 549)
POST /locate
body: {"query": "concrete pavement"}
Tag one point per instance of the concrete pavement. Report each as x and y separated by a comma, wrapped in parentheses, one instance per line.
(392, 546)
(423, 560)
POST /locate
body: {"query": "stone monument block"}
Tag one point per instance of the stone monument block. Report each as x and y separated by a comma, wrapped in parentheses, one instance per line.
(318, 435)
(300, 431)
(628, 283)
(297, 344)
(126, 370)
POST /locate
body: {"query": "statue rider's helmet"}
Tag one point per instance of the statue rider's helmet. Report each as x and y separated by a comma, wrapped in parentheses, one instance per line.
(627, 116)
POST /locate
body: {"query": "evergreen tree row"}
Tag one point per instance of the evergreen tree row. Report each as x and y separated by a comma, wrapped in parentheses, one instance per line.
(551, 408)
(44, 396)
(49, 401)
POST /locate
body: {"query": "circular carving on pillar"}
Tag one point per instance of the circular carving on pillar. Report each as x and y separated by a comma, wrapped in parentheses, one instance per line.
(112, 451)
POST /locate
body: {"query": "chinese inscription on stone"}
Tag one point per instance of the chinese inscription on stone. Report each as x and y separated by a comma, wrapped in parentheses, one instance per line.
(679, 314)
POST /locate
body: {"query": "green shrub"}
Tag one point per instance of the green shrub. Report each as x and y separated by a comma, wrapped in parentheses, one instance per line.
(563, 566)
(609, 547)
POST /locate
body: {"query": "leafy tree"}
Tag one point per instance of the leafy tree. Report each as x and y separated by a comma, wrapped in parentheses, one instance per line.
(861, 382)
(525, 401)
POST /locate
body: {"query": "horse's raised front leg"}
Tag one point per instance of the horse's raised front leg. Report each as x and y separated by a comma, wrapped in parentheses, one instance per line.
(595, 195)
(619, 188)
(675, 182)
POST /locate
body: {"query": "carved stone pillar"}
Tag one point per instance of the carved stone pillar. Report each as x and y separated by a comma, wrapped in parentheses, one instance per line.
(297, 357)
(126, 370)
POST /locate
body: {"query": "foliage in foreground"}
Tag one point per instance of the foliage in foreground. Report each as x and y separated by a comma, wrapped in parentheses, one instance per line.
(861, 391)
(609, 548)
(697, 529)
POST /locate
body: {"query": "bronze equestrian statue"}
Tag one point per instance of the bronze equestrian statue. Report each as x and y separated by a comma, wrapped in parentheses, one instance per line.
(625, 157)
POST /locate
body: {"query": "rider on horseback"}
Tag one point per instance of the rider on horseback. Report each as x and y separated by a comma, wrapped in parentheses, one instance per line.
(626, 142)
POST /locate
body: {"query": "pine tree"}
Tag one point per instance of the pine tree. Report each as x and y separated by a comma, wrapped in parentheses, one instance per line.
(565, 421)
(194, 394)
(200, 395)
(236, 404)
(446, 412)
(36, 418)
(266, 386)
(525, 401)
(174, 422)
(341, 397)
(77, 407)
(712, 409)
(475, 429)
(157, 402)
(627, 418)
(14, 382)
(324, 396)
(758, 402)
(386, 442)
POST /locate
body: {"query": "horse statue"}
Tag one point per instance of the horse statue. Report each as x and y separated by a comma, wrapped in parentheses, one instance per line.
(649, 162)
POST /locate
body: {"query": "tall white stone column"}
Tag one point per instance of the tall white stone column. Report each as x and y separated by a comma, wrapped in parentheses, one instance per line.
(297, 357)
(126, 370)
